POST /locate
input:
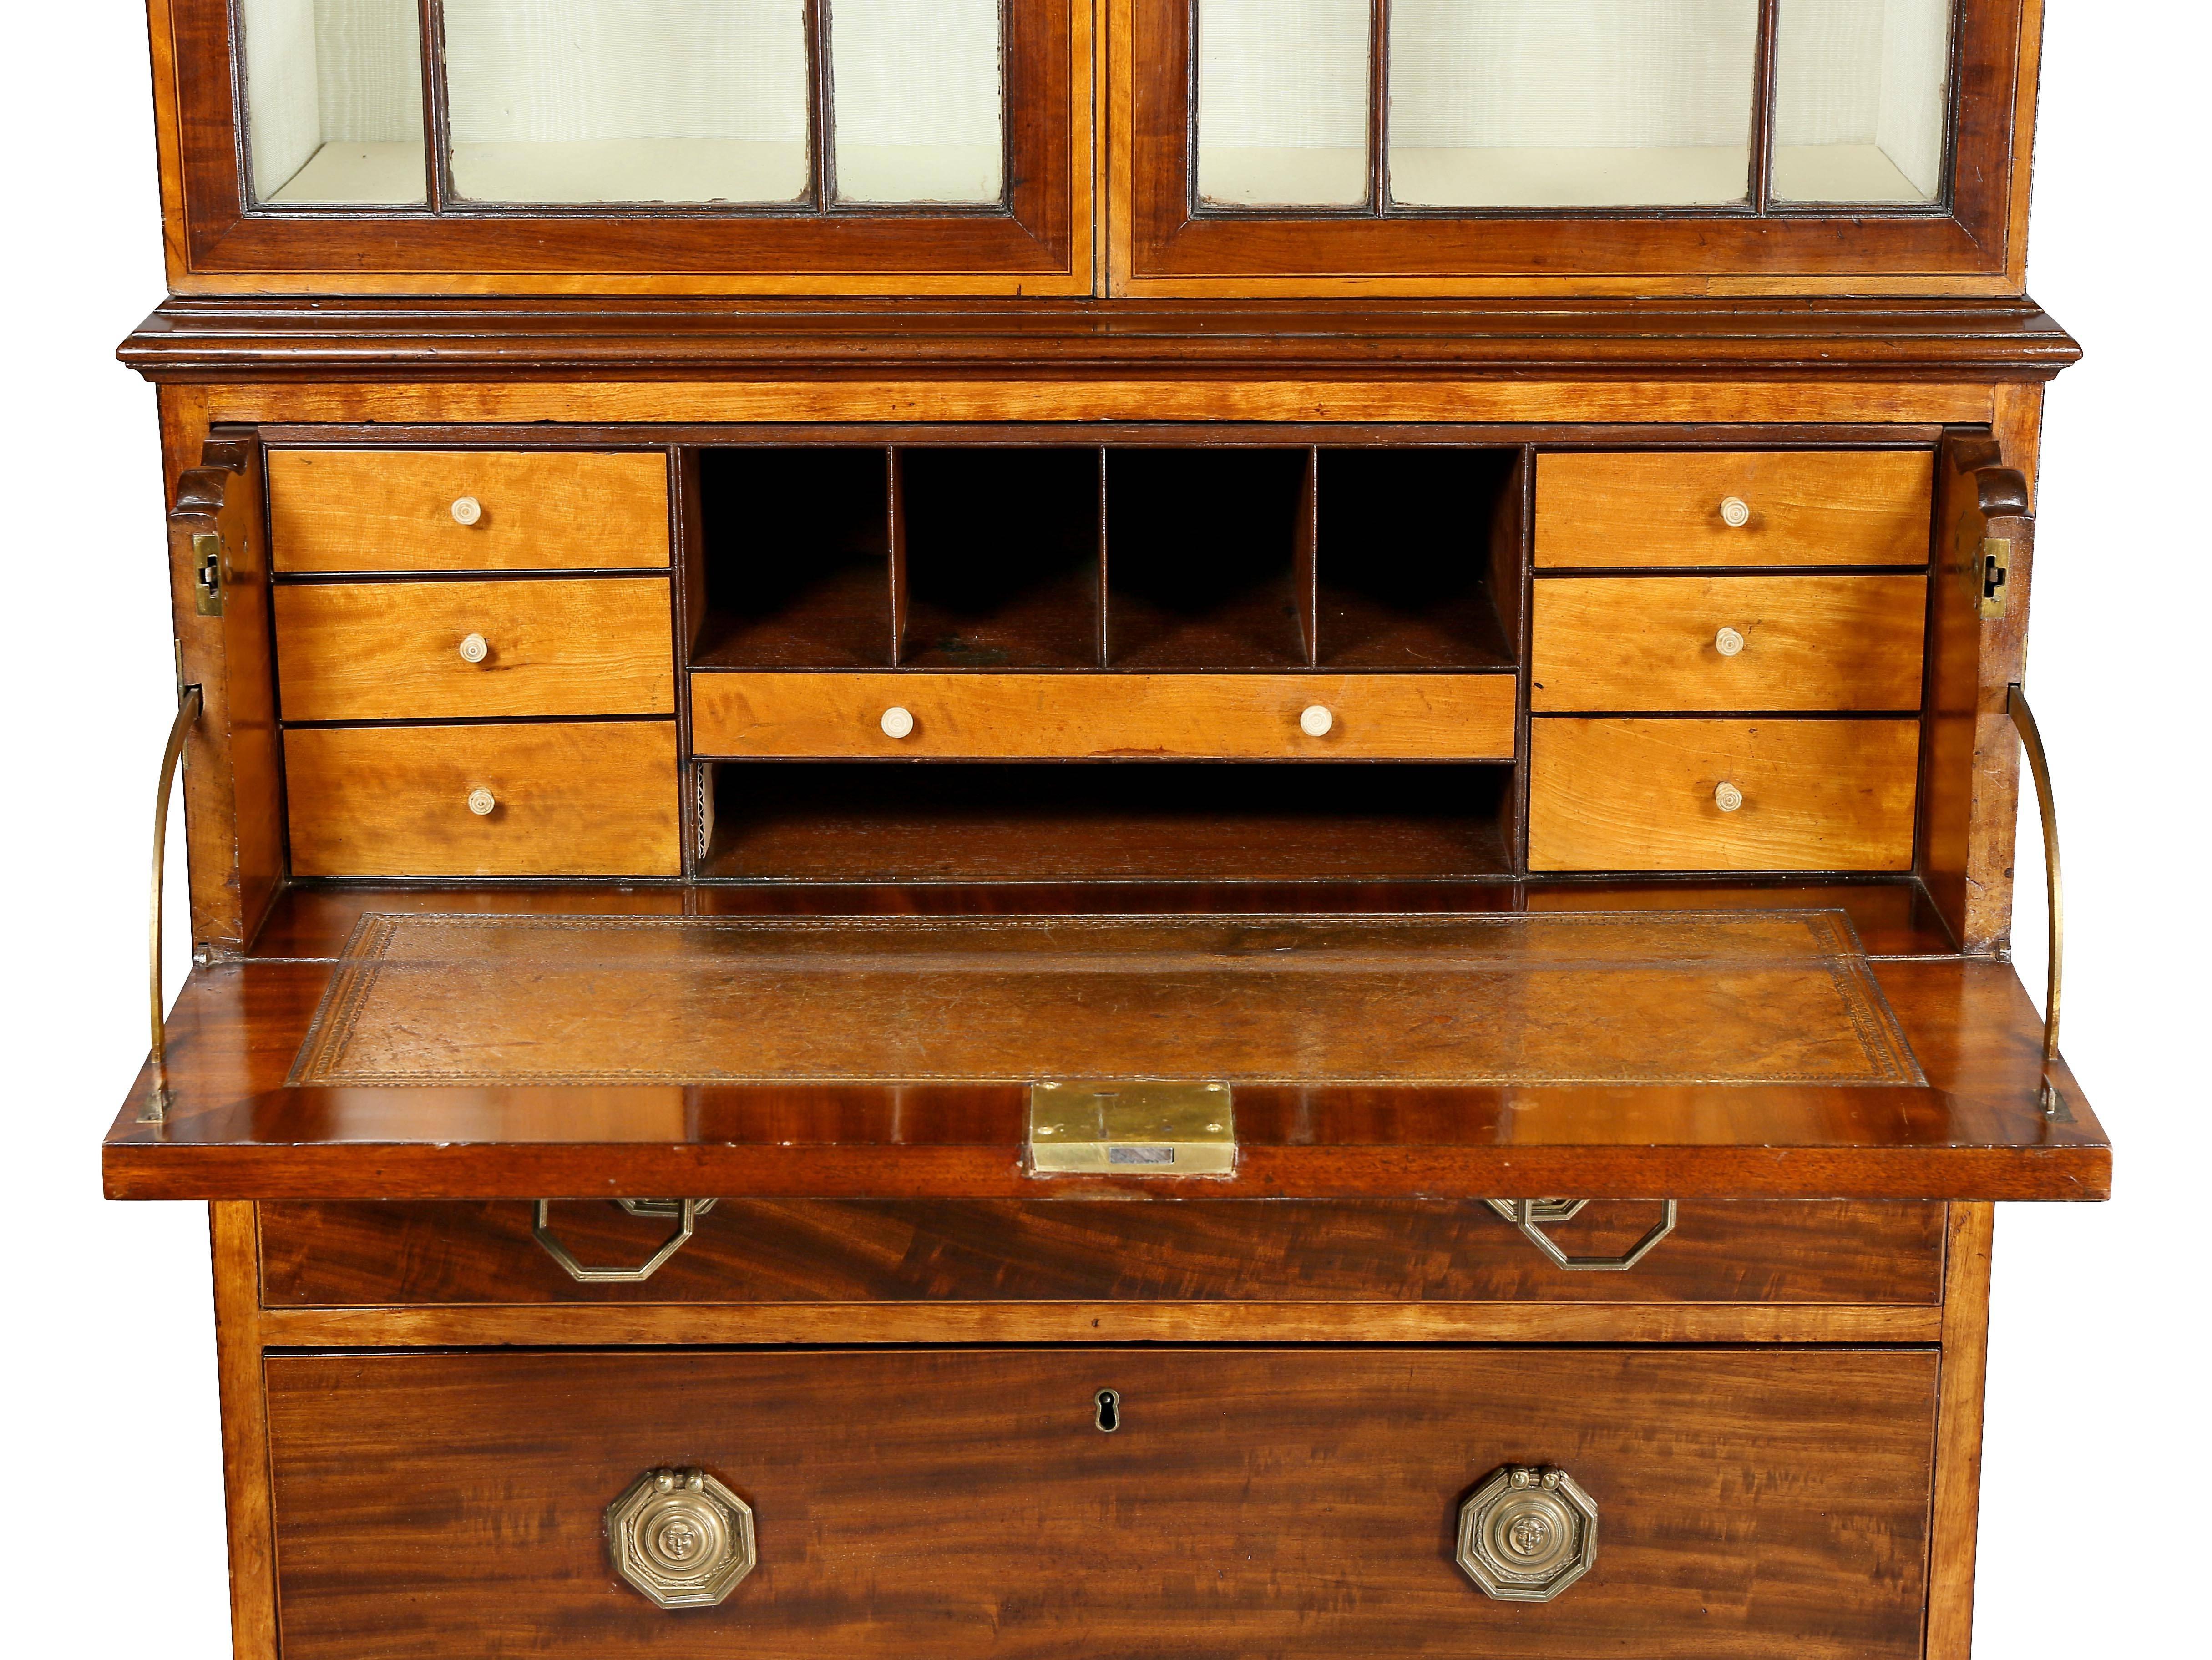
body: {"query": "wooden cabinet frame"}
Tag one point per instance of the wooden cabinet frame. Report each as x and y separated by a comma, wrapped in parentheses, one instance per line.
(1164, 243)
(1040, 242)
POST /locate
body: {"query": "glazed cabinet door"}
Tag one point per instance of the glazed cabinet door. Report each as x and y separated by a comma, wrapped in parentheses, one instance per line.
(1270, 144)
(834, 145)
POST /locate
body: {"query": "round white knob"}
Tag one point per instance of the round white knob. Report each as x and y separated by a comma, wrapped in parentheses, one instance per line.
(467, 510)
(1735, 511)
(1727, 797)
(897, 723)
(1728, 642)
(481, 802)
(474, 650)
(1315, 720)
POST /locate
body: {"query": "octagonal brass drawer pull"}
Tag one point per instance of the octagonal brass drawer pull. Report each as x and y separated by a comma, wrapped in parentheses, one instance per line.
(1526, 1533)
(680, 1538)
(1532, 1216)
(687, 1213)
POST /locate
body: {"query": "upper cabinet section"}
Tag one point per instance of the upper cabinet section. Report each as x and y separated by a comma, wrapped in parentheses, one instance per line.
(1441, 146)
(830, 146)
(1251, 147)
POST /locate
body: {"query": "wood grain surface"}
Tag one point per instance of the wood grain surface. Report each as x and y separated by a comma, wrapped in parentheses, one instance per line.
(391, 651)
(1807, 507)
(571, 798)
(1809, 643)
(1977, 1130)
(1154, 716)
(1641, 794)
(392, 510)
(1570, 997)
(964, 1502)
(1196, 1250)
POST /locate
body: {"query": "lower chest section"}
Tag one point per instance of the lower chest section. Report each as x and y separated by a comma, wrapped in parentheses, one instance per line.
(870, 1429)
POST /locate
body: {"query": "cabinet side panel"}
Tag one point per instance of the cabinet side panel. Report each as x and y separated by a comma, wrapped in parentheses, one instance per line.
(236, 1236)
(1958, 1432)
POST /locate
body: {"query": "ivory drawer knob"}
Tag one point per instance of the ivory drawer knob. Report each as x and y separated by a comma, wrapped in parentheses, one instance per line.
(467, 510)
(474, 650)
(1728, 642)
(1735, 511)
(1316, 720)
(1727, 797)
(897, 723)
(481, 802)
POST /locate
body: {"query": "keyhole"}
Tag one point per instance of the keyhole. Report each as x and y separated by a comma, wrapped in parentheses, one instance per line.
(1109, 1410)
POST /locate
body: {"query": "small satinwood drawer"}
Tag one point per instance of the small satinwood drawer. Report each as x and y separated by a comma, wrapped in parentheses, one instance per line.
(542, 799)
(377, 510)
(955, 1503)
(1151, 716)
(1688, 795)
(1728, 642)
(1753, 507)
(396, 651)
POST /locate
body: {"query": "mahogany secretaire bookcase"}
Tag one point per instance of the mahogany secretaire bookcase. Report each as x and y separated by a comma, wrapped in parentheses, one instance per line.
(1107, 828)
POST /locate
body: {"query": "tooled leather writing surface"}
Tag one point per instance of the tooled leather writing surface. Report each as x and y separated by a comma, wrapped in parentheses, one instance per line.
(1594, 997)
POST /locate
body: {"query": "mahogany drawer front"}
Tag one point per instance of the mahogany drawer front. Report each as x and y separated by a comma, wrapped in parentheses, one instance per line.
(566, 798)
(958, 1503)
(378, 510)
(1798, 507)
(1728, 642)
(768, 1252)
(1370, 717)
(1646, 795)
(400, 651)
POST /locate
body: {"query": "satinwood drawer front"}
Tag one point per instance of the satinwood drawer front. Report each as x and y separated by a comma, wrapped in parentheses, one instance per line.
(929, 1503)
(396, 651)
(1048, 716)
(376, 510)
(1691, 794)
(816, 1252)
(541, 798)
(1756, 507)
(1728, 642)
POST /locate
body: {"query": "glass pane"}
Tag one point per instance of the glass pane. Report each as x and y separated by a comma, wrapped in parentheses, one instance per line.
(1861, 94)
(918, 97)
(333, 101)
(628, 100)
(1282, 102)
(1570, 103)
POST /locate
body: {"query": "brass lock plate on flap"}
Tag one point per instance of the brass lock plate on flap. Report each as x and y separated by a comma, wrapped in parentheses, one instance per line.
(1131, 1128)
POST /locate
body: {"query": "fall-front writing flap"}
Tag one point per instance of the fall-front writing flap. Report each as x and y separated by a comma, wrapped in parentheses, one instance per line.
(1596, 1054)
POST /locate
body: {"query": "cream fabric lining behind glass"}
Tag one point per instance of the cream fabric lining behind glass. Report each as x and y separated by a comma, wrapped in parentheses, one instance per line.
(334, 100)
(1282, 102)
(628, 100)
(1570, 103)
(918, 97)
(1860, 100)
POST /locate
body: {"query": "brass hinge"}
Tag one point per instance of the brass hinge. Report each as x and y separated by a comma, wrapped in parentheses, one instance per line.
(1995, 574)
(1132, 1128)
(207, 574)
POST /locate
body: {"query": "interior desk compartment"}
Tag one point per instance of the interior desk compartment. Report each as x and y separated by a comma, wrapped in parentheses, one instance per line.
(1778, 794)
(456, 649)
(1755, 507)
(1147, 1501)
(377, 510)
(970, 821)
(918, 714)
(1728, 643)
(587, 798)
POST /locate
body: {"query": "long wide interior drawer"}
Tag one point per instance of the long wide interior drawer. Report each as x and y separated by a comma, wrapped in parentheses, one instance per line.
(1466, 717)
(1003, 1503)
